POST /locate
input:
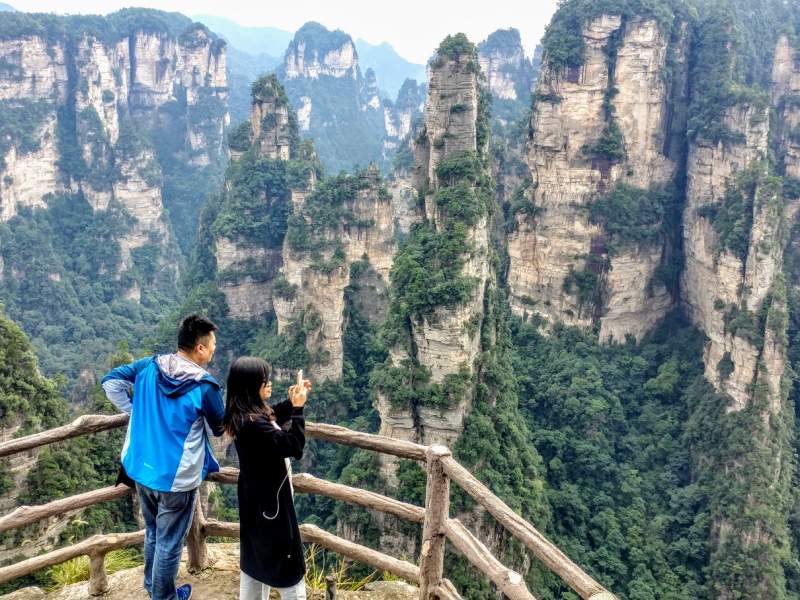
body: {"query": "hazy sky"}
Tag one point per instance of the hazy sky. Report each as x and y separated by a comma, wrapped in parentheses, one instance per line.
(413, 27)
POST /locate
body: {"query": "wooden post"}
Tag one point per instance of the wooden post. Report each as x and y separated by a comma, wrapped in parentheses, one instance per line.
(330, 587)
(196, 540)
(98, 578)
(437, 511)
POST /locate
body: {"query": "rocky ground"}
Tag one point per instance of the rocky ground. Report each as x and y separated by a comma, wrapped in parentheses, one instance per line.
(219, 582)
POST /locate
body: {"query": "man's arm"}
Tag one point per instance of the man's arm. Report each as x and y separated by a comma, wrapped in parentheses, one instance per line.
(118, 384)
(213, 409)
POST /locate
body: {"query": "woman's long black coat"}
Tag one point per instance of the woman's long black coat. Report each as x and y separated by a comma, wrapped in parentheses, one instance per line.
(271, 551)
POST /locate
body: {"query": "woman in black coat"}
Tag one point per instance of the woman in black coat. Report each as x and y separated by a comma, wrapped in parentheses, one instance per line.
(271, 552)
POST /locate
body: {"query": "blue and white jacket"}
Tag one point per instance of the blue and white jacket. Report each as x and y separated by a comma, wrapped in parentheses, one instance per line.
(175, 405)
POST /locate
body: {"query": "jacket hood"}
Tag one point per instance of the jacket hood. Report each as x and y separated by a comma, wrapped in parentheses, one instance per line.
(178, 376)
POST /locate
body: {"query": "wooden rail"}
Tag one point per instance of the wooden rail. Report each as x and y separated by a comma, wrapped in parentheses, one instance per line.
(83, 425)
(441, 469)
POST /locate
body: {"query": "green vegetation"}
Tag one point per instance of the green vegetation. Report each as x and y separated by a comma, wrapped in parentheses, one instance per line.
(610, 146)
(455, 46)
(733, 64)
(61, 285)
(732, 215)
(77, 569)
(563, 42)
(108, 30)
(65, 468)
(269, 88)
(344, 135)
(330, 207)
(584, 284)
(20, 124)
(188, 178)
(319, 39)
(256, 207)
(25, 396)
(634, 216)
(609, 423)
(426, 280)
(502, 41)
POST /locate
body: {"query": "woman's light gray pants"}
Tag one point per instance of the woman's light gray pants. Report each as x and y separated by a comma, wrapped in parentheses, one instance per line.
(252, 589)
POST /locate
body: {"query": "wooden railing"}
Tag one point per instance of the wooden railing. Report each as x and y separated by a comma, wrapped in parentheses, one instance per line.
(437, 527)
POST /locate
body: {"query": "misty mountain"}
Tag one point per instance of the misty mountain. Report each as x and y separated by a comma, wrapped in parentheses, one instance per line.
(253, 40)
(391, 68)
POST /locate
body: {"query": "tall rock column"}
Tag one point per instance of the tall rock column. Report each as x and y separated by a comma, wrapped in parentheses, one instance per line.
(448, 379)
(249, 256)
(436, 330)
(733, 288)
(598, 129)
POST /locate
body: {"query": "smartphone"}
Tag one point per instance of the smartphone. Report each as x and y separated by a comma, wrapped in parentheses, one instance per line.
(300, 378)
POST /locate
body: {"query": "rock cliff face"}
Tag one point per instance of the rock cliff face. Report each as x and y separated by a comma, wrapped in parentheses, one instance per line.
(247, 267)
(86, 105)
(338, 62)
(604, 143)
(554, 237)
(93, 86)
(336, 104)
(319, 269)
(443, 342)
(509, 75)
(398, 116)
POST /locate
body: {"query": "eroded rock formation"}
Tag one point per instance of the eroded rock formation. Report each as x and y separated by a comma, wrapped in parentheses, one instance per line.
(555, 238)
(99, 96)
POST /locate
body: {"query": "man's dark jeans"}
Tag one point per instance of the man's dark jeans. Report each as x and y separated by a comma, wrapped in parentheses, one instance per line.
(167, 517)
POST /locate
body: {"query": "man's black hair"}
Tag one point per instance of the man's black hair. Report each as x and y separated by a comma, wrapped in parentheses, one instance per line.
(194, 327)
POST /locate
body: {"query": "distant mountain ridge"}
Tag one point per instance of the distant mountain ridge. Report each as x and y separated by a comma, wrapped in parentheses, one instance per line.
(391, 68)
(253, 40)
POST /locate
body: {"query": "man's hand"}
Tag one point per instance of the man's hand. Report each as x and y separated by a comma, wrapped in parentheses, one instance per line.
(298, 394)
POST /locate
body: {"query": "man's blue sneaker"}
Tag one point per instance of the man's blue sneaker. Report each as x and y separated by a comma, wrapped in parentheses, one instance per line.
(185, 592)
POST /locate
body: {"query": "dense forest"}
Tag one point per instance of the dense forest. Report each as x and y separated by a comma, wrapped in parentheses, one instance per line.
(627, 453)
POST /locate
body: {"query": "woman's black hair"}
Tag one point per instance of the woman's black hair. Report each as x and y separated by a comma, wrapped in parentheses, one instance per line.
(243, 400)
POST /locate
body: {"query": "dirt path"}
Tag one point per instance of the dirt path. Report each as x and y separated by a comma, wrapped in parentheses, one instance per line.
(219, 582)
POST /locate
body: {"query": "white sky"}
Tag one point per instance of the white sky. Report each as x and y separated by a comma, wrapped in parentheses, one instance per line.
(413, 27)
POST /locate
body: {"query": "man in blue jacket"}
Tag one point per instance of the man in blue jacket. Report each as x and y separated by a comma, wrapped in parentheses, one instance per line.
(174, 406)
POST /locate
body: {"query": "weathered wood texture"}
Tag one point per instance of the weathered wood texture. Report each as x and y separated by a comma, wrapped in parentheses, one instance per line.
(88, 424)
(225, 475)
(308, 484)
(366, 441)
(25, 515)
(509, 582)
(101, 544)
(445, 591)
(98, 578)
(220, 529)
(303, 483)
(437, 510)
(549, 554)
(586, 587)
(362, 554)
(196, 540)
(83, 425)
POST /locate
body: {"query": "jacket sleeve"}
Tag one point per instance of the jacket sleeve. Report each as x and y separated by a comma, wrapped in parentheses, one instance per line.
(213, 409)
(118, 384)
(283, 411)
(279, 443)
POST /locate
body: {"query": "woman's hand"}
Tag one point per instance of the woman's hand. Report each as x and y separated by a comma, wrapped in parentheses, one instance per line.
(298, 393)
